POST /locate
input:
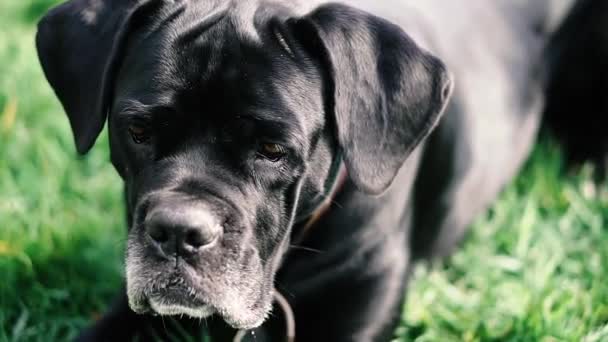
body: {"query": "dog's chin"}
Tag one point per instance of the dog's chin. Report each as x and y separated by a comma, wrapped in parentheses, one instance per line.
(239, 319)
(235, 315)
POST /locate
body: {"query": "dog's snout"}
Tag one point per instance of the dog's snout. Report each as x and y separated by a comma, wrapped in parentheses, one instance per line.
(182, 230)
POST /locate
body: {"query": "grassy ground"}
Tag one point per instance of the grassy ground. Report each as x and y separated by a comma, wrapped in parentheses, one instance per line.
(535, 267)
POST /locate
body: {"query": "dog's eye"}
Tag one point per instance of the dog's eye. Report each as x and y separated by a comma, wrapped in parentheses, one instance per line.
(139, 133)
(272, 152)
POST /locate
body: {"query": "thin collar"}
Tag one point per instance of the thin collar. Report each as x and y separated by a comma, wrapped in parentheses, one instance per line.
(333, 184)
(335, 172)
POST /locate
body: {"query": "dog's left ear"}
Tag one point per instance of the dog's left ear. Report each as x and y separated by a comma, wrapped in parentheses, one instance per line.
(386, 93)
(80, 44)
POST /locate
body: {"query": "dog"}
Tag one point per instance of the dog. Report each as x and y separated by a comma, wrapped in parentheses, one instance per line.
(302, 153)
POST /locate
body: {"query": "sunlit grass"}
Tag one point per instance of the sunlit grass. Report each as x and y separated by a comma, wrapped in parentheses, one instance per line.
(534, 267)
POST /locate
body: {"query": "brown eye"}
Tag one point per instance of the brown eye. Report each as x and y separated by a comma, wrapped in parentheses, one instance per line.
(272, 152)
(139, 133)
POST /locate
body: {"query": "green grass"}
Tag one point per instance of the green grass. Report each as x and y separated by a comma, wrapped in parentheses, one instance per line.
(535, 267)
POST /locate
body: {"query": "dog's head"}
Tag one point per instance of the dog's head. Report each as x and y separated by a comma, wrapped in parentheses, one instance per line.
(225, 118)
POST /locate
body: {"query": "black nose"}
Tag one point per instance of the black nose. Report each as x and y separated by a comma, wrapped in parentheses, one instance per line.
(181, 230)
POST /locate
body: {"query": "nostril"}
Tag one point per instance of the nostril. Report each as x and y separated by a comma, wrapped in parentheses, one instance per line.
(195, 238)
(158, 233)
(201, 236)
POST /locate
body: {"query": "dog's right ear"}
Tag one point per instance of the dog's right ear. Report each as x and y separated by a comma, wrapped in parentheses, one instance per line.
(386, 94)
(80, 44)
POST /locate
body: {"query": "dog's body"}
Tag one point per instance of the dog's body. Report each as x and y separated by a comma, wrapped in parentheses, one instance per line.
(346, 277)
(478, 146)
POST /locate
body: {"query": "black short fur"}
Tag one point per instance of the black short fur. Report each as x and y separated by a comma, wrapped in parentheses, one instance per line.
(194, 91)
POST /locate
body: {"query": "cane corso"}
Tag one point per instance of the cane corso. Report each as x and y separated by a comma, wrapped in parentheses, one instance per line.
(295, 152)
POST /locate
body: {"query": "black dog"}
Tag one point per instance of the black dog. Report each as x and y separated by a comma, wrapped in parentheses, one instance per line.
(231, 122)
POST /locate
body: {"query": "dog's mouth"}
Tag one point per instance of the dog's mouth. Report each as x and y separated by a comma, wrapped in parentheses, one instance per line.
(173, 299)
(180, 293)
(187, 301)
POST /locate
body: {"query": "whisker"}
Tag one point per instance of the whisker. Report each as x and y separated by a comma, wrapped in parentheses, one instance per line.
(308, 249)
(284, 290)
(162, 319)
(337, 204)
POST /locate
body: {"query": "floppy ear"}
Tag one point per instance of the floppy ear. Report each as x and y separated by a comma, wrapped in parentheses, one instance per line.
(79, 46)
(387, 93)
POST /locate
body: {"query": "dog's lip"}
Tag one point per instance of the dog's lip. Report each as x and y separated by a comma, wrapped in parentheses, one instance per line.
(175, 301)
(185, 301)
(161, 307)
(177, 294)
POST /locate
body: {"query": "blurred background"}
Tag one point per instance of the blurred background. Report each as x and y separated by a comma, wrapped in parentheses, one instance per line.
(534, 268)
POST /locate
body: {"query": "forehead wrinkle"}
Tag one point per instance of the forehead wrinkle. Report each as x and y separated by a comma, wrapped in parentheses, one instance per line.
(198, 26)
(299, 95)
(243, 18)
(165, 18)
(133, 106)
(293, 131)
(188, 58)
